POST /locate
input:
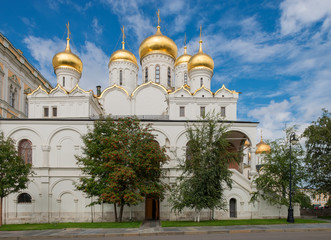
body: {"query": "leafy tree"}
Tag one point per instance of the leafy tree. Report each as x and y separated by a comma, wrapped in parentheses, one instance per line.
(318, 153)
(14, 173)
(272, 183)
(205, 172)
(303, 199)
(122, 162)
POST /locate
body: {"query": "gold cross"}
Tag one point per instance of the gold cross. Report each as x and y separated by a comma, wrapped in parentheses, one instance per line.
(200, 31)
(123, 33)
(185, 40)
(158, 17)
(67, 25)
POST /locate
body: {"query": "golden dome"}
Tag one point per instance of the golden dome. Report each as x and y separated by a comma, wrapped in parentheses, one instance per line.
(123, 55)
(67, 59)
(183, 58)
(246, 144)
(262, 147)
(158, 43)
(201, 60)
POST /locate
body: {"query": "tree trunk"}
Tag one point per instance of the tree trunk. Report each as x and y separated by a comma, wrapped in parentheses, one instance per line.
(1, 211)
(115, 212)
(121, 212)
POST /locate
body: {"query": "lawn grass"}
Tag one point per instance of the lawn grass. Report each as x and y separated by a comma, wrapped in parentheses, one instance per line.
(235, 222)
(22, 227)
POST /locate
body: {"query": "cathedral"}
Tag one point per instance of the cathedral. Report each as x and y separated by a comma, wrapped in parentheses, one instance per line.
(174, 90)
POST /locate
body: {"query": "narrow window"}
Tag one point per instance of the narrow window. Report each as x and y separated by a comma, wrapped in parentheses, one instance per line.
(24, 198)
(185, 78)
(121, 78)
(202, 111)
(169, 77)
(222, 111)
(146, 74)
(64, 81)
(25, 150)
(157, 74)
(46, 112)
(54, 111)
(182, 111)
(201, 82)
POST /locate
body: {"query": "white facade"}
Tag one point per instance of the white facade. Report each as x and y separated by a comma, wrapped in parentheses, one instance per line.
(55, 137)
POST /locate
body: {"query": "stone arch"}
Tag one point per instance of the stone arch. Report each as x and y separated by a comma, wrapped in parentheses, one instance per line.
(51, 136)
(163, 133)
(25, 136)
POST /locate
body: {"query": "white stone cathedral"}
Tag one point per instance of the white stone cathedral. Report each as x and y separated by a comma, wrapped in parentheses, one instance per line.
(174, 91)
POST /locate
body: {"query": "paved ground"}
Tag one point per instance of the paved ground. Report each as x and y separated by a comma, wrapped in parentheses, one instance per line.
(154, 231)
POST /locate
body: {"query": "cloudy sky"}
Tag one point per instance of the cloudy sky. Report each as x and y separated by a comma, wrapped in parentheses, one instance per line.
(276, 53)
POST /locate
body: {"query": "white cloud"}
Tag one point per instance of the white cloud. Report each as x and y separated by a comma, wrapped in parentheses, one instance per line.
(95, 70)
(131, 15)
(96, 27)
(297, 14)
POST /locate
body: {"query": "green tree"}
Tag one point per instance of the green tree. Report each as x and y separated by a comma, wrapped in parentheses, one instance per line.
(14, 173)
(318, 153)
(272, 183)
(122, 162)
(205, 172)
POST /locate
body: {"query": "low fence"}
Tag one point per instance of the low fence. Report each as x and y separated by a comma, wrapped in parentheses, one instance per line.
(316, 212)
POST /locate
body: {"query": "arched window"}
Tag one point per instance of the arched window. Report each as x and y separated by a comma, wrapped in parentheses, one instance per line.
(146, 74)
(64, 81)
(169, 77)
(24, 198)
(185, 78)
(157, 74)
(25, 150)
(201, 82)
(121, 78)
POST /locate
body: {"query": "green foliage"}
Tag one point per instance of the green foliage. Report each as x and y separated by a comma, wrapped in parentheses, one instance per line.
(303, 199)
(14, 173)
(122, 162)
(318, 153)
(205, 172)
(273, 180)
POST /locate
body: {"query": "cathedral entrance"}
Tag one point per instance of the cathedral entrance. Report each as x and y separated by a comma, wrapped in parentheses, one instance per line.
(233, 208)
(152, 209)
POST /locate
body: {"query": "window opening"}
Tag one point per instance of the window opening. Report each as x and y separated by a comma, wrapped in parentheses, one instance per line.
(25, 150)
(121, 78)
(169, 77)
(182, 111)
(46, 112)
(202, 111)
(157, 74)
(146, 74)
(24, 198)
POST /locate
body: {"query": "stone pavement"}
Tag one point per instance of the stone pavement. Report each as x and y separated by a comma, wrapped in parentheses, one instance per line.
(154, 229)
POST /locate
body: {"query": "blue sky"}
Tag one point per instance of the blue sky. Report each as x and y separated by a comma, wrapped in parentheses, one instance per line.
(277, 53)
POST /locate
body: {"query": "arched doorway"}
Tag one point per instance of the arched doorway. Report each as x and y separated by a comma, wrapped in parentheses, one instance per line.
(152, 208)
(233, 208)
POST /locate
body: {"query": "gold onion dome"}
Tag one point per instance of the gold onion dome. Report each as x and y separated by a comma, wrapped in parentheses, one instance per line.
(67, 59)
(262, 147)
(158, 43)
(201, 60)
(123, 54)
(185, 58)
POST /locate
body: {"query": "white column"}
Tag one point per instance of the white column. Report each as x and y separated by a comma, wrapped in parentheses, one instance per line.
(46, 149)
(253, 162)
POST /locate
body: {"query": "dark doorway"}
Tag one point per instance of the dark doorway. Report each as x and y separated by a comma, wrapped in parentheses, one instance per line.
(233, 208)
(152, 210)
